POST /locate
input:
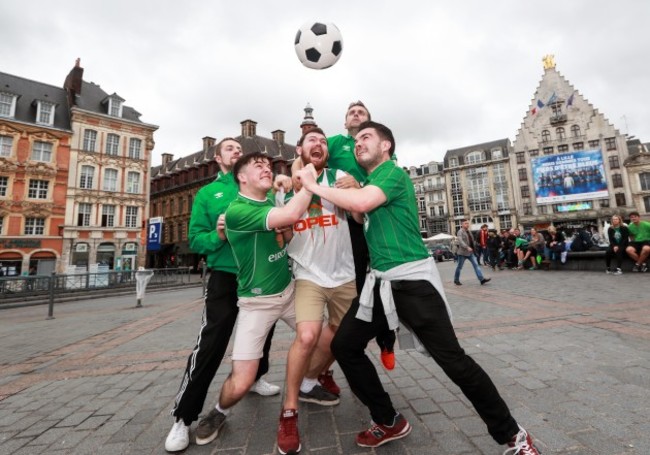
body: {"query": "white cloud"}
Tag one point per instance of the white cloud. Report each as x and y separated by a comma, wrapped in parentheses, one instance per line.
(441, 75)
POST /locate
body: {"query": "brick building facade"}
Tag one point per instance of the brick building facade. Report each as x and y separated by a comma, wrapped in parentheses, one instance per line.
(35, 138)
(74, 177)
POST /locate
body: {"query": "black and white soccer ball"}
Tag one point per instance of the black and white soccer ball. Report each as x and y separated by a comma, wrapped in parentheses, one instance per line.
(318, 45)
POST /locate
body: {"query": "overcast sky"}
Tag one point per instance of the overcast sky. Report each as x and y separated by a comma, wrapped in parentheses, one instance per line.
(442, 75)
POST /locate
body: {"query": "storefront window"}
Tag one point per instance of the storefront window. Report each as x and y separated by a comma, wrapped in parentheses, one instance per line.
(106, 255)
(80, 255)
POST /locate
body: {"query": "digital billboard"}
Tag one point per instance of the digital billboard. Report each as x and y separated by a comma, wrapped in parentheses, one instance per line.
(569, 177)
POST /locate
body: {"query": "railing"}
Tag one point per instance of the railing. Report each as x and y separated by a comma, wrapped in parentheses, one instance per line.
(43, 286)
(560, 118)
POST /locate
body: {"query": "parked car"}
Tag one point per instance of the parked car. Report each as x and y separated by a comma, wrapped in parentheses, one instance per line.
(441, 252)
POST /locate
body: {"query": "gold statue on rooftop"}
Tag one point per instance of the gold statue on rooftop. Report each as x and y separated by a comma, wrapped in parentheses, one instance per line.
(549, 61)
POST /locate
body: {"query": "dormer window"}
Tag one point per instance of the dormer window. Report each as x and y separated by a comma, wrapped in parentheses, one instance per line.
(114, 108)
(45, 112)
(453, 162)
(474, 157)
(114, 105)
(7, 105)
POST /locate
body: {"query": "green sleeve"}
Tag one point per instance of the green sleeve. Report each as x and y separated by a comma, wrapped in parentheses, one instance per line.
(202, 234)
(389, 183)
(247, 218)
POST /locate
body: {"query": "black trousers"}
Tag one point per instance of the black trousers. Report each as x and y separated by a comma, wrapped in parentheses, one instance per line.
(619, 255)
(361, 256)
(217, 324)
(420, 306)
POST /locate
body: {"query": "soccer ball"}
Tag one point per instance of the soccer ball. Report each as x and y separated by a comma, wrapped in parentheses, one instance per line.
(318, 45)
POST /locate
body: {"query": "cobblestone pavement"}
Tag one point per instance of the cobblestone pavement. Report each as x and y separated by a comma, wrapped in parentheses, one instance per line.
(570, 353)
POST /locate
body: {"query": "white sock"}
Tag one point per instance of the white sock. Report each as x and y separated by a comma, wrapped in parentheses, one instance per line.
(308, 384)
(223, 411)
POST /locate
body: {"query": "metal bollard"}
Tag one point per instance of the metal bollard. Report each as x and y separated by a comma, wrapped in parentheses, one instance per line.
(50, 308)
(142, 278)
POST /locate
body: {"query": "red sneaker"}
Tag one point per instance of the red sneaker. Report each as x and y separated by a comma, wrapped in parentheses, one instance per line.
(288, 437)
(327, 381)
(388, 359)
(379, 434)
(521, 444)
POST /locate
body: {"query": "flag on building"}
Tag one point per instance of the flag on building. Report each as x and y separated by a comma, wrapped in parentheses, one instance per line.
(552, 98)
(569, 102)
(539, 106)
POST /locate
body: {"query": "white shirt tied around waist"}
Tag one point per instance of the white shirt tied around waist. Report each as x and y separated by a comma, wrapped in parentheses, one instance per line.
(424, 269)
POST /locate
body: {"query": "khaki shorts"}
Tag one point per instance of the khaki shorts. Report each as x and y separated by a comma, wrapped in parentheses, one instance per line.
(311, 300)
(256, 317)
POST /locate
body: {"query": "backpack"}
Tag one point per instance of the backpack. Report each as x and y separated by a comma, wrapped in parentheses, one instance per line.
(582, 241)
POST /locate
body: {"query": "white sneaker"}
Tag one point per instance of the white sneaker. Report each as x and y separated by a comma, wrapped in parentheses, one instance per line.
(617, 272)
(178, 438)
(264, 388)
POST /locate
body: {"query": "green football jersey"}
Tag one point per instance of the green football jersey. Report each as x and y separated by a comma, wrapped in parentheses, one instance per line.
(263, 263)
(341, 156)
(392, 229)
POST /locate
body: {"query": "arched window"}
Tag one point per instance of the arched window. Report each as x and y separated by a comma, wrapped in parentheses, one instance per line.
(575, 130)
(560, 133)
(474, 157)
(546, 136)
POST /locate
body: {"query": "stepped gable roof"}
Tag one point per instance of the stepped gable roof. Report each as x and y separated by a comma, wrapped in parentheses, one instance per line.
(554, 87)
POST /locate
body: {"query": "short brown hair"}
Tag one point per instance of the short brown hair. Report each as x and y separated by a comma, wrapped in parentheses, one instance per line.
(246, 160)
(313, 130)
(217, 148)
(357, 103)
(384, 133)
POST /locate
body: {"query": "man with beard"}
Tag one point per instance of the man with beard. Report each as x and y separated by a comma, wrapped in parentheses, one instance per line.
(341, 156)
(323, 267)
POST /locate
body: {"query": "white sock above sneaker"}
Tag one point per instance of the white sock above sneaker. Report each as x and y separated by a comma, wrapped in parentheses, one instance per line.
(223, 411)
(308, 384)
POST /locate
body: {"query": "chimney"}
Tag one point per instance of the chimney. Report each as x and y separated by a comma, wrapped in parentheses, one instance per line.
(308, 122)
(248, 128)
(72, 84)
(208, 142)
(167, 158)
(278, 136)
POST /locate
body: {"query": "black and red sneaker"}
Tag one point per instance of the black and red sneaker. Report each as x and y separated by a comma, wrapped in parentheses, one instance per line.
(327, 381)
(379, 434)
(521, 444)
(288, 436)
(388, 359)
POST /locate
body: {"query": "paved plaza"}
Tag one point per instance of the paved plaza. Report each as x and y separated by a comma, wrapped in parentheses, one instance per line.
(569, 351)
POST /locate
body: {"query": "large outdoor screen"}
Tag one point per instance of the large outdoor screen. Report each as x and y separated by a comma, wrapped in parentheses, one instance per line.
(569, 177)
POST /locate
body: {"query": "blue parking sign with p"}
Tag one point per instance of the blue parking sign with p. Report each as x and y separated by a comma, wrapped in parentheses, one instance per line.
(153, 235)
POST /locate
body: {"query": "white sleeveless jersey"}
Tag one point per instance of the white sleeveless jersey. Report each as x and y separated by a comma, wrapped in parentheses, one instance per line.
(321, 248)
